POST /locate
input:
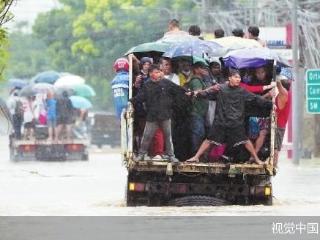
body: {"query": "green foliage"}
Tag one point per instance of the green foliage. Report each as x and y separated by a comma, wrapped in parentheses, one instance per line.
(3, 51)
(27, 56)
(84, 37)
(5, 16)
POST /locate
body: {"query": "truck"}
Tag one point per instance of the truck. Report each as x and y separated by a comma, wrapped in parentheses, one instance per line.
(43, 149)
(104, 130)
(162, 183)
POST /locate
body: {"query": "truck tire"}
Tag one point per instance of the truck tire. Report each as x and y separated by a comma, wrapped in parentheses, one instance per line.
(13, 156)
(268, 201)
(198, 201)
(85, 157)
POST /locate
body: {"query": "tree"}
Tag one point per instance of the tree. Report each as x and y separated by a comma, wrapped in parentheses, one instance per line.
(5, 16)
(107, 29)
(85, 37)
(27, 56)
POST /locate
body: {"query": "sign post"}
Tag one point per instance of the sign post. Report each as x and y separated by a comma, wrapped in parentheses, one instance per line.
(313, 91)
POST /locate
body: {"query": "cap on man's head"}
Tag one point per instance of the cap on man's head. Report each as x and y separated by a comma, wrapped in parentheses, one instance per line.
(214, 60)
(238, 32)
(199, 62)
(145, 60)
(199, 65)
(121, 64)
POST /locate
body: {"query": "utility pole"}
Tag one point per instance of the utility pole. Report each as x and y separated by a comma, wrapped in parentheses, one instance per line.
(204, 15)
(297, 112)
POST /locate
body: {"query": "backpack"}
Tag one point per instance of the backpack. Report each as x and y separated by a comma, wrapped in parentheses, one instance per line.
(254, 128)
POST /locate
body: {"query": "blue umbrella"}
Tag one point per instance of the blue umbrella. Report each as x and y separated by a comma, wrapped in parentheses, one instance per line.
(46, 77)
(17, 83)
(27, 91)
(80, 102)
(149, 47)
(252, 58)
(197, 47)
(287, 72)
(160, 46)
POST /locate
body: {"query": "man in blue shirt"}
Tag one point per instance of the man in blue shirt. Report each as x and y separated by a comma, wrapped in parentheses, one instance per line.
(120, 85)
(51, 116)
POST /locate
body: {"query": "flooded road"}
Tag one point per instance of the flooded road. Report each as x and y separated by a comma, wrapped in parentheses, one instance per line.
(97, 187)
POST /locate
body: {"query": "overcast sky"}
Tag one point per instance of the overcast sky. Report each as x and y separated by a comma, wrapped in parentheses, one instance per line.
(27, 10)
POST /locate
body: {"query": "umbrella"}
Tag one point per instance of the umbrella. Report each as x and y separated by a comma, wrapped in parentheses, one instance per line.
(17, 83)
(83, 90)
(178, 38)
(60, 90)
(46, 77)
(197, 47)
(42, 87)
(233, 42)
(27, 91)
(287, 72)
(157, 46)
(80, 102)
(69, 80)
(252, 58)
(34, 89)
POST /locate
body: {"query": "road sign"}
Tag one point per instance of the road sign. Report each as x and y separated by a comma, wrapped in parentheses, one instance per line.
(313, 91)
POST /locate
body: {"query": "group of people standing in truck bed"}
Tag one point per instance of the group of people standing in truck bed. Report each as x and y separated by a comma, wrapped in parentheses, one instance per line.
(184, 108)
(47, 111)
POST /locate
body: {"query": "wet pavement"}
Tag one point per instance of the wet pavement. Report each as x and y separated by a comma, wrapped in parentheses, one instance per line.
(97, 187)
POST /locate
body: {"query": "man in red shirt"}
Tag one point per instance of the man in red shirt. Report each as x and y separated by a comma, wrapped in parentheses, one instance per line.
(283, 104)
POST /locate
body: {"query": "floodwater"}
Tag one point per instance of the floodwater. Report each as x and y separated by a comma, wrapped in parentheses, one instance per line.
(97, 187)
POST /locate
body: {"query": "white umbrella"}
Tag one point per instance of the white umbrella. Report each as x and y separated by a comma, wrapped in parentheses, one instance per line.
(232, 42)
(42, 87)
(69, 80)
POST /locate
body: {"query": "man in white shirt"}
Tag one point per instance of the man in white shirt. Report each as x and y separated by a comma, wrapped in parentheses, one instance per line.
(174, 29)
(166, 68)
(15, 107)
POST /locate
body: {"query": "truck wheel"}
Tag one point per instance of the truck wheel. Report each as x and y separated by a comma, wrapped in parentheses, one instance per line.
(13, 157)
(198, 201)
(130, 200)
(268, 201)
(85, 157)
(99, 145)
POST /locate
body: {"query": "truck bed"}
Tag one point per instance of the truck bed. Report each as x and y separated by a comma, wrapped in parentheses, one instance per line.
(210, 168)
(75, 149)
(16, 142)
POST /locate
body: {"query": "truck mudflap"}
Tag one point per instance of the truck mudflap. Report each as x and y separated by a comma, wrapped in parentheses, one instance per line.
(50, 152)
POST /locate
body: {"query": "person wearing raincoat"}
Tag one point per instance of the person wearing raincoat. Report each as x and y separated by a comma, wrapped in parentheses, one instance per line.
(120, 85)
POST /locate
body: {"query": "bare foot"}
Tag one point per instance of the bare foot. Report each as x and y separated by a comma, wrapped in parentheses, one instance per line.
(193, 159)
(250, 161)
(255, 160)
(258, 161)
